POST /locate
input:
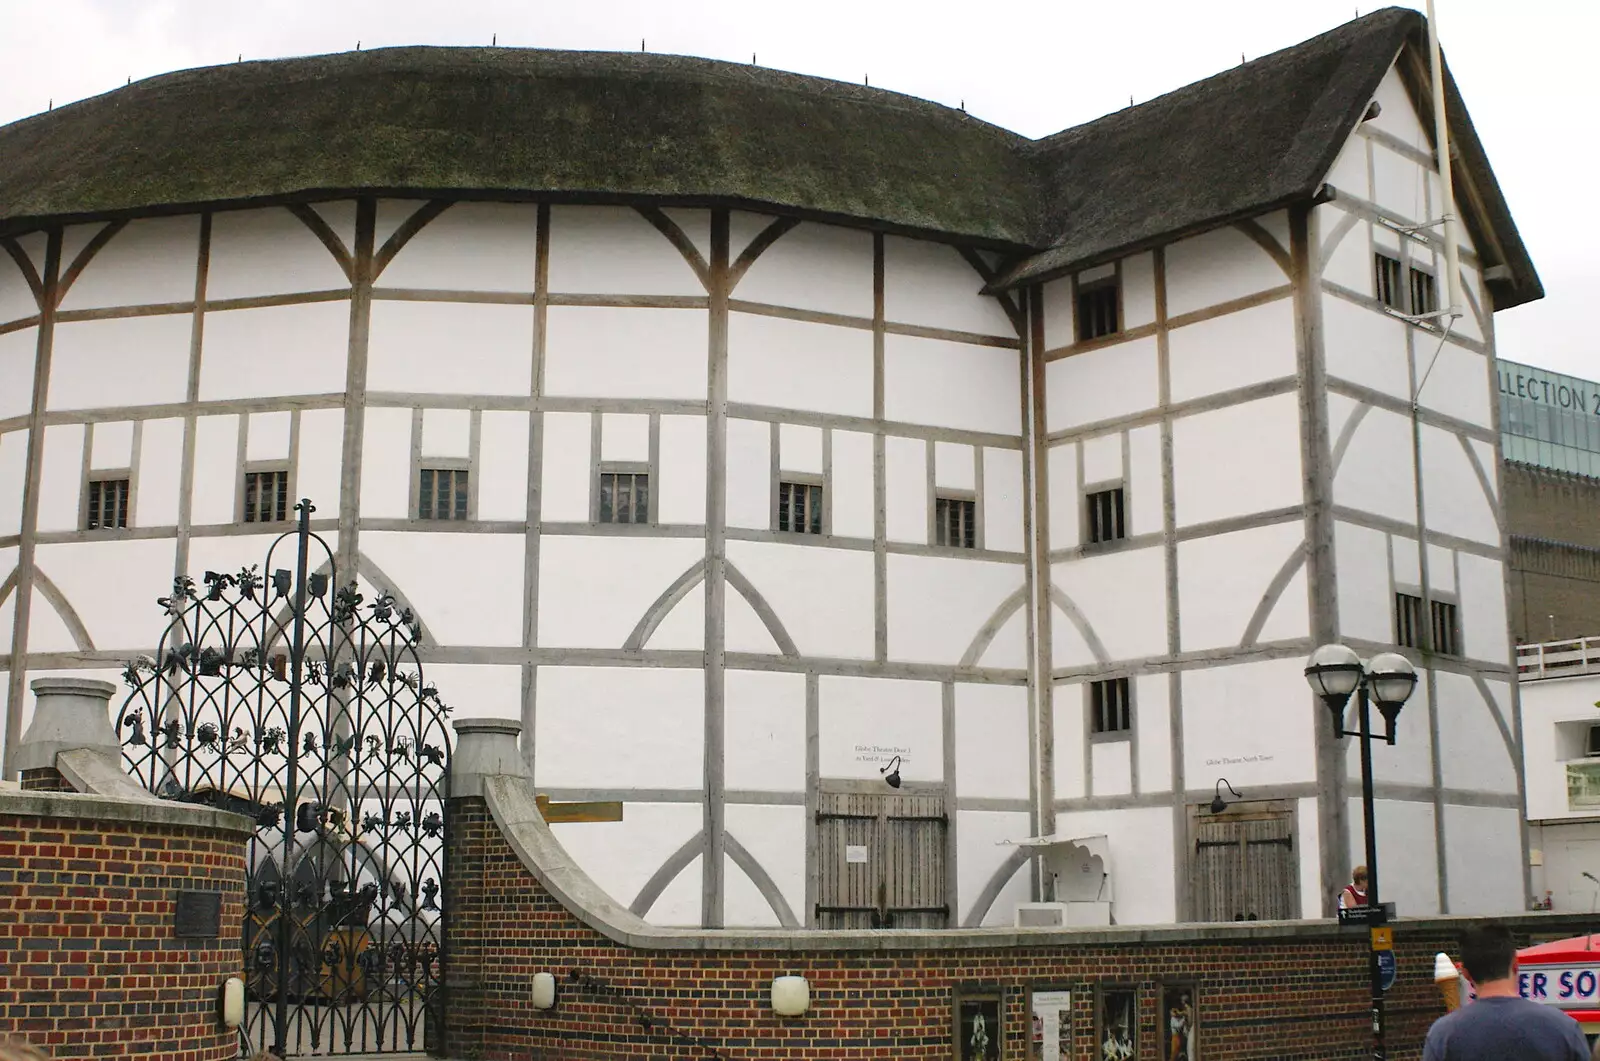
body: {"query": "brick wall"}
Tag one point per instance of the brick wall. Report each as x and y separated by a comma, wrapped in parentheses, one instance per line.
(1553, 520)
(89, 964)
(1287, 993)
(1557, 506)
(44, 779)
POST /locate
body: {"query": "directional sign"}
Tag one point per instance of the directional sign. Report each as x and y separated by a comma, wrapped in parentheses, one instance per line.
(1367, 915)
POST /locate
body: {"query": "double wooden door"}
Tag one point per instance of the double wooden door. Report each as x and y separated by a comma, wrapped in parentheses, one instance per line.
(1242, 863)
(881, 860)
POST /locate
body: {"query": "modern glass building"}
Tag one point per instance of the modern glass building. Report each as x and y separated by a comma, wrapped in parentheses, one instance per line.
(1549, 420)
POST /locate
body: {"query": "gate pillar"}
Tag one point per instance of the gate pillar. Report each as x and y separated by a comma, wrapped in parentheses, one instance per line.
(69, 714)
(484, 748)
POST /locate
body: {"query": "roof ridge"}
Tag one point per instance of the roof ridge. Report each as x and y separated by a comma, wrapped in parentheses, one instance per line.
(677, 66)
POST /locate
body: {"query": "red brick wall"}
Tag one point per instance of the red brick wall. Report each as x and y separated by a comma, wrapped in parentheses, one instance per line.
(1286, 997)
(44, 779)
(89, 965)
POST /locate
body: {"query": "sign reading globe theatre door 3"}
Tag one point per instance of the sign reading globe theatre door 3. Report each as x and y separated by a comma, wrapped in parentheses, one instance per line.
(1568, 986)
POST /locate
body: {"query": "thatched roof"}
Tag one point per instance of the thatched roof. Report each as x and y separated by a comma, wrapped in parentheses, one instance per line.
(592, 126)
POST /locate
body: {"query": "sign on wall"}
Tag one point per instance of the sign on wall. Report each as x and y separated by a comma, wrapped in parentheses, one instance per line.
(882, 754)
(1052, 1026)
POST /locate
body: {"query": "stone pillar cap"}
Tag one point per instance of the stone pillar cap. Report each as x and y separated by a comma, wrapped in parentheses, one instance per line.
(508, 726)
(69, 714)
(487, 725)
(86, 686)
(485, 747)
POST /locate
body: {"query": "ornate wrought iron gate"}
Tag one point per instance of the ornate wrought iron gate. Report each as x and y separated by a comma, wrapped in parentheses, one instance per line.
(290, 698)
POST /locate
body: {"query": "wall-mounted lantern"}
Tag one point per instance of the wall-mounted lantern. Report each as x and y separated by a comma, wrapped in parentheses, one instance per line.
(544, 991)
(791, 996)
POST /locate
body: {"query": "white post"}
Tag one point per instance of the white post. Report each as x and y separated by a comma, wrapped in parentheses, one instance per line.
(1452, 225)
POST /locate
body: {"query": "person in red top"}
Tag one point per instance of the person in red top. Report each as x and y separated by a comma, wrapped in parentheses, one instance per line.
(1355, 893)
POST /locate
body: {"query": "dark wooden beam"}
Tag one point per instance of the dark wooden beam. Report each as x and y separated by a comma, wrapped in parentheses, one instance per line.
(593, 811)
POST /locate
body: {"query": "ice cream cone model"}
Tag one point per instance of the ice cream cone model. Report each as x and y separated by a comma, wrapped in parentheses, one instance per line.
(1448, 979)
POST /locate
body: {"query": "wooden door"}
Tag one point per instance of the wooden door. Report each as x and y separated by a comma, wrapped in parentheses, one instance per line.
(880, 860)
(1242, 865)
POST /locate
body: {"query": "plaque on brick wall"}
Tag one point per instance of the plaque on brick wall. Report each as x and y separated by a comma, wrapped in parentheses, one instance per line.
(198, 915)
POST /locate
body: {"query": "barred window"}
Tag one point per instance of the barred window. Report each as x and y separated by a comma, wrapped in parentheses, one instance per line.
(624, 497)
(1424, 298)
(955, 522)
(1386, 280)
(1104, 511)
(266, 496)
(1098, 310)
(1446, 630)
(1408, 620)
(1108, 706)
(442, 493)
(108, 504)
(800, 508)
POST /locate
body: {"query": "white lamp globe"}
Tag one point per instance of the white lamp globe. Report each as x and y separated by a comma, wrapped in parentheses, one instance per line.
(1392, 676)
(1333, 671)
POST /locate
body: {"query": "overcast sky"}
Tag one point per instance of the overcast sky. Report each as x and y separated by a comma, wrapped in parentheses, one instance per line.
(1035, 66)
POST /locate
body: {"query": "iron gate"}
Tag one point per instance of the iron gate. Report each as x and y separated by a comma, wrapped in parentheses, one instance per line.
(292, 699)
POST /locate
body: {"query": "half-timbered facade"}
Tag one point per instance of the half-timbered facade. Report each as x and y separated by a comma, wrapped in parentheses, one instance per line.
(751, 437)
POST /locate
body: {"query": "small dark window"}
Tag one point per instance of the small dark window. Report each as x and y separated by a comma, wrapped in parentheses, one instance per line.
(266, 496)
(624, 497)
(955, 521)
(1098, 310)
(108, 504)
(1446, 632)
(1105, 516)
(1423, 296)
(800, 508)
(1407, 620)
(1108, 706)
(442, 493)
(1386, 278)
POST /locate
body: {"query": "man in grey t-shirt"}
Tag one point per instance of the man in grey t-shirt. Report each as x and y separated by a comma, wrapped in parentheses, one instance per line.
(1501, 1025)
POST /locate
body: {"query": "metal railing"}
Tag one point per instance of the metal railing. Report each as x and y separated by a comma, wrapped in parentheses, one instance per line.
(1559, 659)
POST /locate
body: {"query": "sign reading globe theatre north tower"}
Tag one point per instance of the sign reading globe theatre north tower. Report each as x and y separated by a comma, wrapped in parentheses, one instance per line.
(755, 438)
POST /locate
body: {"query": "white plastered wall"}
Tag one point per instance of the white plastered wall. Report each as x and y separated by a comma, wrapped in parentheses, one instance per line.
(1556, 716)
(267, 252)
(150, 262)
(469, 247)
(1249, 722)
(13, 470)
(865, 722)
(1217, 267)
(791, 364)
(1101, 384)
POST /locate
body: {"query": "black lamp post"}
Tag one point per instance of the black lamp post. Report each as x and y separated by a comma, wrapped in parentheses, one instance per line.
(1334, 672)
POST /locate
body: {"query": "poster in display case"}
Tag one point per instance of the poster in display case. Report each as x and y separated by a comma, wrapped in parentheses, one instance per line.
(1116, 1023)
(978, 1030)
(1179, 1022)
(1051, 1036)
